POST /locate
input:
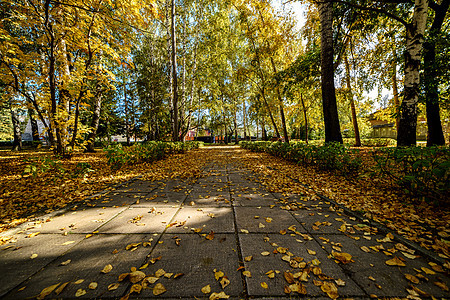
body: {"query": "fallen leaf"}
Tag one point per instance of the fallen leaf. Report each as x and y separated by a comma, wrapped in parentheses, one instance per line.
(113, 286)
(289, 277)
(298, 288)
(107, 269)
(150, 280)
(311, 252)
(65, 263)
(441, 285)
(428, 271)
(178, 275)
(340, 282)
(61, 288)
(93, 285)
(218, 274)
(221, 295)
(159, 289)
(33, 256)
(206, 289)
(136, 288)
(136, 276)
(160, 272)
(330, 289)
(210, 236)
(79, 281)
(270, 274)
(412, 278)
(261, 225)
(247, 274)
(265, 253)
(395, 262)
(80, 292)
(224, 282)
(264, 285)
(344, 258)
(365, 249)
(248, 258)
(47, 291)
(67, 243)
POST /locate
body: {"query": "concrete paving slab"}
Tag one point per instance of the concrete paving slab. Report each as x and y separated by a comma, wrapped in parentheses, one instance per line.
(217, 219)
(211, 188)
(140, 220)
(138, 186)
(385, 281)
(161, 200)
(265, 220)
(17, 264)
(196, 257)
(219, 178)
(214, 198)
(255, 244)
(253, 199)
(118, 199)
(84, 220)
(87, 260)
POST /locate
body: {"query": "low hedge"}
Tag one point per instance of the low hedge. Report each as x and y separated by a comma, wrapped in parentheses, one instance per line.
(332, 156)
(119, 155)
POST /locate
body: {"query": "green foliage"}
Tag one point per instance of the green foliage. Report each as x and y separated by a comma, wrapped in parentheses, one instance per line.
(333, 156)
(420, 171)
(40, 165)
(374, 142)
(118, 155)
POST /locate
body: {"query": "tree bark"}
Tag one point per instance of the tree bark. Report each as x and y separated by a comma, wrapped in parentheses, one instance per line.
(352, 103)
(94, 123)
(34, 125)
(17, 142)
(275, 127)
(431, 78)
(175, 133)
(395, 90)
(305, 117)
(414, 43)
(330, 113)
(280, 103)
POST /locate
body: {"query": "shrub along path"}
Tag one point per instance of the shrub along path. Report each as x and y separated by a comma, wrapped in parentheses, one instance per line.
(239, 229)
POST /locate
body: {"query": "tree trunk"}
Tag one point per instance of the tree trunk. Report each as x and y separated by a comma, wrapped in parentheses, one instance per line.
(17, 142)
(352, 103)
(330, 113)
(270, 113)
(280, 103)
(235, 124)
(431, 77)
(395, 90)
(34, 125)
(94, 123)
(414, 40)
(306, 118)
(175, 133)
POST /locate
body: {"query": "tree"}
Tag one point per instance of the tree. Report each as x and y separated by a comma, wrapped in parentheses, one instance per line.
(330, 114)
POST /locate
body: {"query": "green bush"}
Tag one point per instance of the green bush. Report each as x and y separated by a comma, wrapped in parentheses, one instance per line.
(118, 155)
(420, 171)
(333, 156)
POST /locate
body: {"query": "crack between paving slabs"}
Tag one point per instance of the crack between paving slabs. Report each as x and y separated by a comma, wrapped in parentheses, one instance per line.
(238, 246)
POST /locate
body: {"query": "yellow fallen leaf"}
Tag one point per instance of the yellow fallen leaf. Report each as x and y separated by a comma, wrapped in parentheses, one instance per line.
(248, 258)
(80, 292)
(265, 253)
(289, 277)
(93, 285)
(33, 256)
(65, 263)
(247, 274)
(88, 235)
(107, 269)
(298, 287)
(344, 258)
(224, 282)
(365, 249)
(428, 271)
(47, 291)
(160, 273)
(136, 288)
(395, 262)
(442, 285)
(159, 289)
(270, 274)
(264, 285)
(144, 267)
(330, 289)
(79, 281)
(113, 286)
(61, 288)
(269, 220)
(210, 236)
(412, 278)
(340, 282)
(261, 225)
(136, 276)
(206, 289)
(221, 295)
(311, 252)
(218, 274)
(67, 243)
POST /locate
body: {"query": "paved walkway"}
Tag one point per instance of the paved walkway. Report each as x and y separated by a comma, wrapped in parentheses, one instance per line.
(223, 230)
